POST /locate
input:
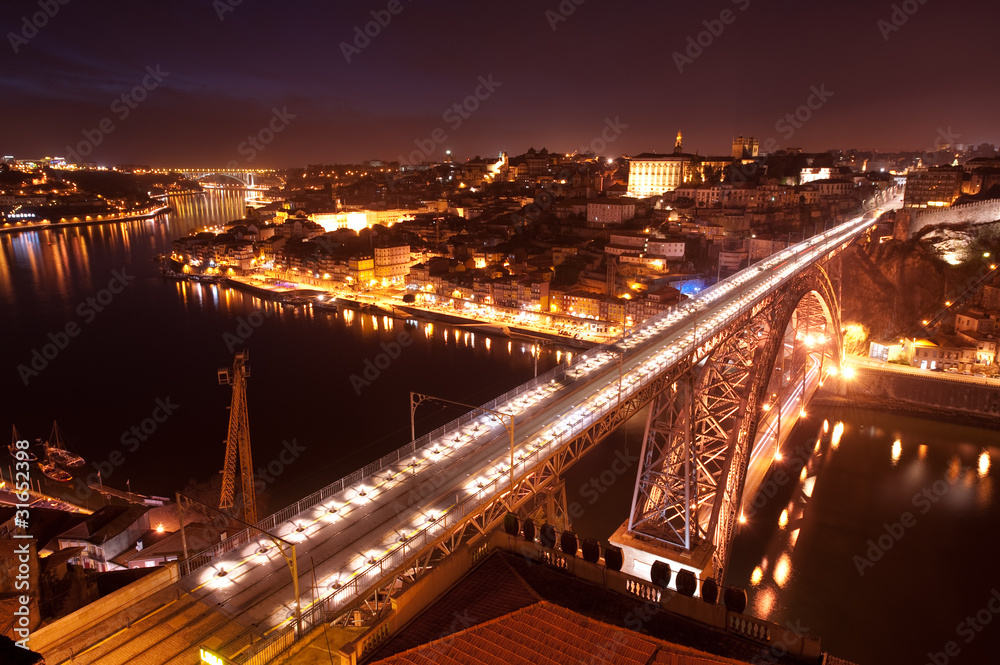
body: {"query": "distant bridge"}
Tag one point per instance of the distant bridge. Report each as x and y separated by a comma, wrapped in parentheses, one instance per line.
(246, 177)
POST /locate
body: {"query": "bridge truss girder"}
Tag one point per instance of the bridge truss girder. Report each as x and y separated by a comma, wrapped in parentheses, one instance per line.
(701, 429)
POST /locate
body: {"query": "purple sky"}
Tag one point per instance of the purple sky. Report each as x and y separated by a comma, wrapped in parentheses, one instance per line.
(560, 81)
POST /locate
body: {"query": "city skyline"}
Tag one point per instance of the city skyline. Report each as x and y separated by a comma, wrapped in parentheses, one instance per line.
(424, 80)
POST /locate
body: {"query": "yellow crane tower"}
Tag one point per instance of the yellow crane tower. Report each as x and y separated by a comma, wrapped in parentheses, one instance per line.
(238, 442)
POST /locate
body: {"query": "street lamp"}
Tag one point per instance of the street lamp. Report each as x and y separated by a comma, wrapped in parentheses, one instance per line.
(285, 548)
(416, 399)
(536, 350)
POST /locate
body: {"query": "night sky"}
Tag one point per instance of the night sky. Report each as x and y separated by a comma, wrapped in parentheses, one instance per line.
(561, 78)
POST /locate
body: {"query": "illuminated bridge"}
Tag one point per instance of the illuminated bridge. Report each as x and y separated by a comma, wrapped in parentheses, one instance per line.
(725, 374)
(250, 178)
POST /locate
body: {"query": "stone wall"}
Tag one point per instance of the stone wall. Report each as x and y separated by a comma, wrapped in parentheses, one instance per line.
(935, 394)
(978, 212)
(104, 609)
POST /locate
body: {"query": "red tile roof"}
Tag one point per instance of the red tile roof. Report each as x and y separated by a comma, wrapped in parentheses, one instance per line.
(547, 634)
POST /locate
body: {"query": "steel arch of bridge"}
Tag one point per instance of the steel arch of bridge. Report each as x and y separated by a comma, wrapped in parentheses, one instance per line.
(244, 177)
(701, 429)
(247, 177)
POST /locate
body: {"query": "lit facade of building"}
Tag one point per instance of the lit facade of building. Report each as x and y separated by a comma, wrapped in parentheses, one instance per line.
(607, 213)
(391, 264)
(361, 270)
(934, 187)
(651, 174)
(666, 248)
(811, 173)
(360, 219)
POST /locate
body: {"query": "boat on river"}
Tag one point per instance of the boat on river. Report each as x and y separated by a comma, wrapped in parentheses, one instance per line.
(326, 303)
(26, 454)
(51, 471)
(56, 452)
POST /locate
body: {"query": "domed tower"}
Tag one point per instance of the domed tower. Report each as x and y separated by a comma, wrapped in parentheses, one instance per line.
(678, 146)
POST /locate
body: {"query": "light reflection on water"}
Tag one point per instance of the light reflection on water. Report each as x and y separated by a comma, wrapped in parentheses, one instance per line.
(163, 338)
(821, 535)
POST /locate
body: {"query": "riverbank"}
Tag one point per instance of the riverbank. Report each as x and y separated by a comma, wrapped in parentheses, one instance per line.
(281, 290)
(76, 221)
(503, 329)
(912, 410)
(276, 291)
(935, 395)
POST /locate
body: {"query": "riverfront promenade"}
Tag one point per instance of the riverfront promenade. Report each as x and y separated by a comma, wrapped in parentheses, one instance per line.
(86, 219)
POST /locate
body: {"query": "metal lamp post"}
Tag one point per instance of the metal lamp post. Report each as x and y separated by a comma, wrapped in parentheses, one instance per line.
(418, 398)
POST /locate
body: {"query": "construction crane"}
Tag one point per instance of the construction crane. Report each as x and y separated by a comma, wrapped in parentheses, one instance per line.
(238, 442)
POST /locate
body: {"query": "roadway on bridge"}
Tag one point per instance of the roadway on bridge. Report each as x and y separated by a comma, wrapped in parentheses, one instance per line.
(351, 532)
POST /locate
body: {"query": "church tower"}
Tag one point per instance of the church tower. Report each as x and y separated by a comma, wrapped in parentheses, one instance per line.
(678, 146)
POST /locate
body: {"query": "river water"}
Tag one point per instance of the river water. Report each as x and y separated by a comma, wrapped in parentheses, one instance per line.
(884, 550)
(152, 351)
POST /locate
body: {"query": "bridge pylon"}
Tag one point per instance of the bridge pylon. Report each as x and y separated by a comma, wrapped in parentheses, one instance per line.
(713, 431)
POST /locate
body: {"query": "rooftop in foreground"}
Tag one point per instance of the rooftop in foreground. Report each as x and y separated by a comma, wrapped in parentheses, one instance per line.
(505, 600)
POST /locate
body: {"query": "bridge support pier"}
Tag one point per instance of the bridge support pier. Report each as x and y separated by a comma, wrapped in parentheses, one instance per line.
(713, 433)
(640, 553)
(551, 507)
